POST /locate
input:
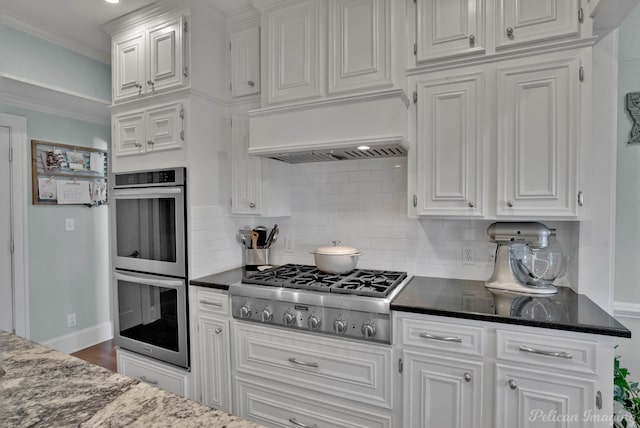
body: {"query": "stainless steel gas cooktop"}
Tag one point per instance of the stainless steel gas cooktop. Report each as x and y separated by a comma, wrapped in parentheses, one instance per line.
(354, 305)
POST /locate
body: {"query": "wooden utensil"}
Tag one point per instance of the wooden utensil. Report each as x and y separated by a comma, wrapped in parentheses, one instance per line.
(254, 238)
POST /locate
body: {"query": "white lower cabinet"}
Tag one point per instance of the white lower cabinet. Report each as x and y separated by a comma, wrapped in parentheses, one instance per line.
(153, 372)
(442, 392)
(525, 377)
(210, 352)
(285, 378)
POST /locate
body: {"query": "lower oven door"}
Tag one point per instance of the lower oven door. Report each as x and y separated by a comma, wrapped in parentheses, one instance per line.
(151, 316)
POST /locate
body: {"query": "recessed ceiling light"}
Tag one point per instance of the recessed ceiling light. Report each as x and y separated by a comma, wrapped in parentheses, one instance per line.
(113, 1)
(363, 147)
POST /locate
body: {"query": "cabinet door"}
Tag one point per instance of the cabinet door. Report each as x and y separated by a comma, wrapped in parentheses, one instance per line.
(166, 67)
(533, 398)
(538, 127)
(246, 170)
(164, 127)
(215, 365)
(128, 66)
(245, 62)
(449, 145)
(448, 28)
(526, 21)
(359, 40)
(129, 134)
(293, 52)
(441, 392)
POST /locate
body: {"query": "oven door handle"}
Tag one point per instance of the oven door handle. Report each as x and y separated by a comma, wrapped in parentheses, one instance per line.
(147, 192)
(166, 283)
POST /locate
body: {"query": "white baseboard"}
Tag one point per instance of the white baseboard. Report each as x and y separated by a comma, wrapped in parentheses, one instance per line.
(81, 339)
(626, 310)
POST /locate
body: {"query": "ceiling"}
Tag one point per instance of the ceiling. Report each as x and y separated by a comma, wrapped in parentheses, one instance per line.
(77, 24)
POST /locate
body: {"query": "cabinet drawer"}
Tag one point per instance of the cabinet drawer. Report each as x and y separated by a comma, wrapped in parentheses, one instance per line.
(553, 351)
(342, 368)
(273, 408)
(213, 303)
(152, 372)
(428, 334)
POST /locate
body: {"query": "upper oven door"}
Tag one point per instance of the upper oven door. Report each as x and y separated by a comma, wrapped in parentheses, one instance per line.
(149, 230)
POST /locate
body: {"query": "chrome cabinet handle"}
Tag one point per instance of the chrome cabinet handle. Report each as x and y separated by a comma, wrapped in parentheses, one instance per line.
(139, 86)
(471, 204)
(443, 338)
(251, 83)
(218, 330)
(152, 83)
(138, 144)
(525, 348)
(303, 363)
(152, 382)
(509, 31)
(206, 302)
(467, 377)
(150, 142)
(472, 39)
(512, 384)
(300, 424)
(252, 205)
(510, 204)
(580, 198)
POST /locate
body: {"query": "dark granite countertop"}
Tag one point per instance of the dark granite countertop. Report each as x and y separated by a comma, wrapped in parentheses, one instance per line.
(566, 310)
(46, 388)
(220, 280)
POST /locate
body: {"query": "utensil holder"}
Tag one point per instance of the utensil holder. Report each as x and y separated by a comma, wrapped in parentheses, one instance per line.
(256, 256)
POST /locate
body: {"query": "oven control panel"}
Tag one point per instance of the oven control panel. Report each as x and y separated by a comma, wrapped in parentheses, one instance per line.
(337, 322)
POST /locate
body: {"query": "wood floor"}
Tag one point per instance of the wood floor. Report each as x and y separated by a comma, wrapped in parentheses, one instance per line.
(103, 355)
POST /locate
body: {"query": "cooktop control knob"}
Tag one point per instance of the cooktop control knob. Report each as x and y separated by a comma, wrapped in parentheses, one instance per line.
(266, 315)
(245, 312)
(288, 318)
(340, 326)
(314, 322)
(368, 330)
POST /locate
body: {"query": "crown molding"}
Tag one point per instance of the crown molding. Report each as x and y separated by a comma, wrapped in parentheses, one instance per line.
(51, 37)
(49, 99)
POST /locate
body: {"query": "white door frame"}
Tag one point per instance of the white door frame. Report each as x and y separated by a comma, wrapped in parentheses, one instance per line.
(19, 179)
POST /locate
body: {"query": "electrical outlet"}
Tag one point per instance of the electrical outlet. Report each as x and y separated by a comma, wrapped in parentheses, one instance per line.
(289, 244)
(491, 256)
(468, 255)
(69, 224)
(71, 320)
(467, 302)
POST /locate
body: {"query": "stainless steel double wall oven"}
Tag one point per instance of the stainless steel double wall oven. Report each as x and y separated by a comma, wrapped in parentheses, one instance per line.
(149, 242)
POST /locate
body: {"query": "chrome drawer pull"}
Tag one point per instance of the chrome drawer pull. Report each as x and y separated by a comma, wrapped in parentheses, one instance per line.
(299, 424)
(205, 302)
(525, 348)
(152, 382)
(443, 338)
(302, 363)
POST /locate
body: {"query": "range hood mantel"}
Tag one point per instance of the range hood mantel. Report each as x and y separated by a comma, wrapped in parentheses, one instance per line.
(332, 129)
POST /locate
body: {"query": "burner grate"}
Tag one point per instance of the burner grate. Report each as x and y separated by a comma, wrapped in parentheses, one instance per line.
(315, 280)
(278, 276)
(373, 283)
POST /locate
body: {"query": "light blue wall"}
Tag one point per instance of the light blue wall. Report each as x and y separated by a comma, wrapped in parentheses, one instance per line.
(627, 273)
(34, 59)
(68, 271)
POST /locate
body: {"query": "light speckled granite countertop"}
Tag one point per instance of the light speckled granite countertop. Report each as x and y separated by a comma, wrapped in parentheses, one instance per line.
(47, 388)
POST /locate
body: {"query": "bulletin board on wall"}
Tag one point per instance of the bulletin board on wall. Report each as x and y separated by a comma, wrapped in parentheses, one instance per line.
(64, 174)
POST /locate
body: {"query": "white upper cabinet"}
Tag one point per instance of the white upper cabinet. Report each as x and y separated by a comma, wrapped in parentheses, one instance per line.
(293, 47)
(449, 144)
(359, 44)
(245, 62)
(448, 28)
(246, 170)
(538, 133)
(526, 21)
(149, 59)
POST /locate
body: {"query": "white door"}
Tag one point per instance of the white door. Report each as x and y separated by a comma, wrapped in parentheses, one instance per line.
(166, 67)
(245, 62)
(128, 66)
(246, 170)
(6, 263)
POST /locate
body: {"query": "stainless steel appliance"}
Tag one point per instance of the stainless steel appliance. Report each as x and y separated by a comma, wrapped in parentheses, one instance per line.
(520, 266)
(355, 305)
(149, 259)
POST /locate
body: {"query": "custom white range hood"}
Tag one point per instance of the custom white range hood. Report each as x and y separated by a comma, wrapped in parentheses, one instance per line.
(332, 129)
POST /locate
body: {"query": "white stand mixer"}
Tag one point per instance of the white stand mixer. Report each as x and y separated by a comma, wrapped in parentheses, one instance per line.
(510, 275)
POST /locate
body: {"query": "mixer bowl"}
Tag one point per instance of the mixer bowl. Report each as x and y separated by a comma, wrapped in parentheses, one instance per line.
(538, 268)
